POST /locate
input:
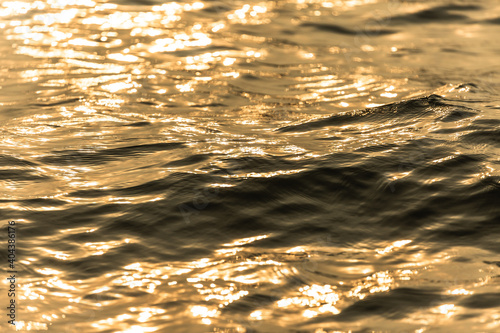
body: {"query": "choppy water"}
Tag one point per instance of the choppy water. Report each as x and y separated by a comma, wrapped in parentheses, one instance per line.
(243, 166)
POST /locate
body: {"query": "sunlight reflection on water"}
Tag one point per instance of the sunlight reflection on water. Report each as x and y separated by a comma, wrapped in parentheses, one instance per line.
(117, 113)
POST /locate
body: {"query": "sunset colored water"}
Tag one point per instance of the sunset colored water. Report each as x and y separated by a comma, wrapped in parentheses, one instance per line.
(300, 166)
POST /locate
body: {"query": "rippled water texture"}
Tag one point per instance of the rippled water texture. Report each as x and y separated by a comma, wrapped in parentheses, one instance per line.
(243, 166)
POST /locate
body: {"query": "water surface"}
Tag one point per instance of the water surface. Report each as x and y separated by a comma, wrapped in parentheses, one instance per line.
(245, 166)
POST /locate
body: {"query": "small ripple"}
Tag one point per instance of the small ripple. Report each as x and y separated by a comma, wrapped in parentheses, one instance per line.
(333, 28)
(436, 14)
(21, 175)
(411, 109)
(481, 301)
(491, 137)
(88, 157)
(6, 160)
